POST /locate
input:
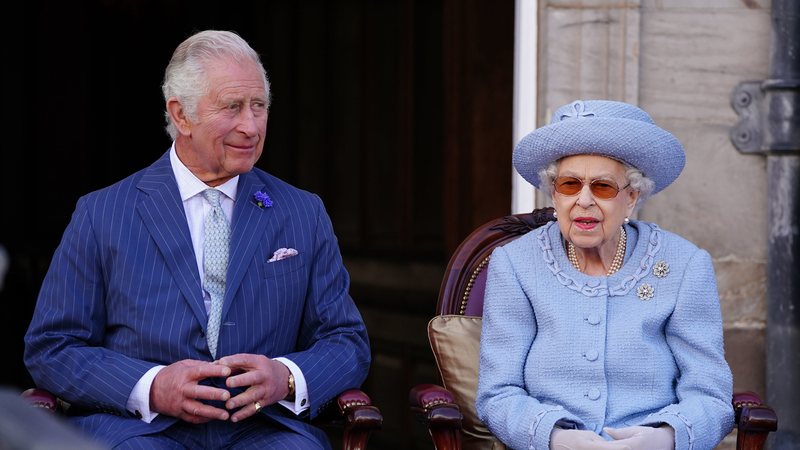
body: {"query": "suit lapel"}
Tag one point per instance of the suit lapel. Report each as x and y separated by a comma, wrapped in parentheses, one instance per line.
(163, 214)
(247, 227)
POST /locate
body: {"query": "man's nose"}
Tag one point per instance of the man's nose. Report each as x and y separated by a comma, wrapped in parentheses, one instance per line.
(249, 122)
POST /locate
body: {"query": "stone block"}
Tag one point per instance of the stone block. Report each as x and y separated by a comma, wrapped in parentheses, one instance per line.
(742, 285)
(589, 52)
(705, 4)
(692, 58)
(744, 351)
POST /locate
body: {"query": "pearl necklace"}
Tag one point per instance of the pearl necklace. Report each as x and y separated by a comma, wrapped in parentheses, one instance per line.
(616, 263)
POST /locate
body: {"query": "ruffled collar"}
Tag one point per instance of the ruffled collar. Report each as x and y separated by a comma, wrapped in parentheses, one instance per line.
(637, 265)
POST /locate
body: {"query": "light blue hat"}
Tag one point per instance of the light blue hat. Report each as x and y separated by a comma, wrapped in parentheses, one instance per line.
(601, 127)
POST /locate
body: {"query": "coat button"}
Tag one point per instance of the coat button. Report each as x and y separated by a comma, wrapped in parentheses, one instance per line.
(593, 318)
(591, 355)
(593, 393)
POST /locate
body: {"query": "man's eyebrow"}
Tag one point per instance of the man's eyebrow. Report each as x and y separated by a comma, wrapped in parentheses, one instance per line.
(241, 98)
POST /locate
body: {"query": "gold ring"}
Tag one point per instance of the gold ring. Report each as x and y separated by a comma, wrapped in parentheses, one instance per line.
(257, 406)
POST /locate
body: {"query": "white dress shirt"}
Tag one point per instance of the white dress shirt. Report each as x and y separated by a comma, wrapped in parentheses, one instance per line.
(196, 208)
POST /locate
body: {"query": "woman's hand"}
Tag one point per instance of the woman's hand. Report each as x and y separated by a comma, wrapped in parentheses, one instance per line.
(644, 438)
(582, 440)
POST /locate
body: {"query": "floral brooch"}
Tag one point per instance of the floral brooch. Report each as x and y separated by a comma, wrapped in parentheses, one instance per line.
(661, 269)
(262, 200)
(645, 291)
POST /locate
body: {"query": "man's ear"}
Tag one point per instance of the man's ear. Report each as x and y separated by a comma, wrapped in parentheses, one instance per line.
(178, 116)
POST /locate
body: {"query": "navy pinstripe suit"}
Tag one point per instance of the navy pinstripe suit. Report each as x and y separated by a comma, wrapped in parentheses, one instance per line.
(123, 294)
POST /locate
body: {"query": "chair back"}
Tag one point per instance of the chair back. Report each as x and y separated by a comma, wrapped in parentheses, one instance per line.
(454, 333)
(464, 282)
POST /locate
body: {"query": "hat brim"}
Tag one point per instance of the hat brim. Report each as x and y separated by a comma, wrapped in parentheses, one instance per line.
(653, 150)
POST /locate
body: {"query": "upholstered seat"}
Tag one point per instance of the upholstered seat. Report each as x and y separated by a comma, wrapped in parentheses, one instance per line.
(448, 411)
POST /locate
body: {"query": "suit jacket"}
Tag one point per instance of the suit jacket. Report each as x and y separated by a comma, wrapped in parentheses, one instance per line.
(123, 294)
(640, 347)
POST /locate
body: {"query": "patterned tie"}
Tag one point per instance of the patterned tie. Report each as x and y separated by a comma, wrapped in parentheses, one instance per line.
(215, 264)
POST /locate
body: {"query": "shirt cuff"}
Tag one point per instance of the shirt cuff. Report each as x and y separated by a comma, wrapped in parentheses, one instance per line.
(300, 403)
(139, 400)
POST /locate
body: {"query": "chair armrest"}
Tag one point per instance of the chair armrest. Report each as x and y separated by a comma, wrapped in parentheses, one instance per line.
(752, 414)
(28, 421)
(354, 415)
(357, 410)
(41, 399)
(754, 420)
(435, 405)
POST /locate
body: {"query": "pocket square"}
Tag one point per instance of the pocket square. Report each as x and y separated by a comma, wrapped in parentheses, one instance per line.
(282, 253)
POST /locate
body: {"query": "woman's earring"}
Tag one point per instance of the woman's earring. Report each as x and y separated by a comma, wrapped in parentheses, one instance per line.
(555, 215)
(626, 219)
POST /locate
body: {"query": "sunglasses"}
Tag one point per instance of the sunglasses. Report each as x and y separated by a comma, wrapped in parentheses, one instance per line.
(602, 189)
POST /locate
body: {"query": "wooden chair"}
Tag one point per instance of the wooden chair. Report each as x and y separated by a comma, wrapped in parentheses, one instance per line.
(448, 411)
(353, 413)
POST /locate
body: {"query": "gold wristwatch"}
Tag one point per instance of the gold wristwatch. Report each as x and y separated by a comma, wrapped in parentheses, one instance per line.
(290, 395)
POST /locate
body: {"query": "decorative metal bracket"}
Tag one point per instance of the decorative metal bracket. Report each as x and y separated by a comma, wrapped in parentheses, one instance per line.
(769, 120)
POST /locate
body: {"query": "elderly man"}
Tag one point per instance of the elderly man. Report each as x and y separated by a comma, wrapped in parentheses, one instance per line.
(200, 302)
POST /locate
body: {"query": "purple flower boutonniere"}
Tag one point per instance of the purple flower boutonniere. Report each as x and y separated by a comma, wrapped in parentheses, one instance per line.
(262, 200)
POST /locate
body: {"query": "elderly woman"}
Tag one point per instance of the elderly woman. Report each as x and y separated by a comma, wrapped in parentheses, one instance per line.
(602, 332)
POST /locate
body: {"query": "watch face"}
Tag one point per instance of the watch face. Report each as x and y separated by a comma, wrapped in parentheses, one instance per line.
(290, 395)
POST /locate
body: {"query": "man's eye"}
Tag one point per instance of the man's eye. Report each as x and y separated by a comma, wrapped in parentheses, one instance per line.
(233, 106)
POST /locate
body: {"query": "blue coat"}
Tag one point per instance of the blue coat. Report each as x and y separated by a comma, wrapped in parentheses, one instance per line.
(630, 349)
(123, 294)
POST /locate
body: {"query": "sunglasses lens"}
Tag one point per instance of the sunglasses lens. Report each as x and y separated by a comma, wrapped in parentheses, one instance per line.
(604, 189)
(568, 185)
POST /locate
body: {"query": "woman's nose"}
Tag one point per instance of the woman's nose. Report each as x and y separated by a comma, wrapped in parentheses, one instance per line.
(585, 196)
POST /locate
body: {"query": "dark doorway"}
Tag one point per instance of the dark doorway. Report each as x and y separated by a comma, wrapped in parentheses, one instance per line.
(397, 113)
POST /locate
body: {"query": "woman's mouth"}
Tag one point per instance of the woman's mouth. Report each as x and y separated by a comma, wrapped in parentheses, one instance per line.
(586, 223)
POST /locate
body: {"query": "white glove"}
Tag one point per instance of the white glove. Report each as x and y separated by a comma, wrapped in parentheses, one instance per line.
(581, 440)
(644, 438)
